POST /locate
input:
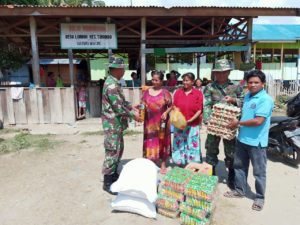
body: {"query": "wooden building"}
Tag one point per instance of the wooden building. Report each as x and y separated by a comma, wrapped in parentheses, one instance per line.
(140, 30)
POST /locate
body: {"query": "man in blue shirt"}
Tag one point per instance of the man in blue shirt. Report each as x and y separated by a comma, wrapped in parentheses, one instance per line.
(252, 140)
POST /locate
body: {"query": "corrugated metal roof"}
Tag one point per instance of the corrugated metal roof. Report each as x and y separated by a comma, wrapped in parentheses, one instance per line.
(284, 4)
(271, 32)
(207, 3)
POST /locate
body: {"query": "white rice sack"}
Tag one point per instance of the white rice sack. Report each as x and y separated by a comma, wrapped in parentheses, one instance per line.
(132, 204)
(139, 179)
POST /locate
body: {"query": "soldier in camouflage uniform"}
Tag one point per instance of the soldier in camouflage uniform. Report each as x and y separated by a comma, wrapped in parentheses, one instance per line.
(115, 114)
(221, 90)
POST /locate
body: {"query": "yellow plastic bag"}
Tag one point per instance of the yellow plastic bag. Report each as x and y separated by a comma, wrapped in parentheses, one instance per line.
(177, 118)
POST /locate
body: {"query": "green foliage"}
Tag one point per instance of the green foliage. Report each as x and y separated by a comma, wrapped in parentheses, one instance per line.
(281, 101)
(11, 59)
(25, 141)
(53, 2)
(19, 2)
(20, 141)
(247, 66)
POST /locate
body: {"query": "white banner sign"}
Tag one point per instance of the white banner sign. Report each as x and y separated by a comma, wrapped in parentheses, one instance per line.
(88, 36)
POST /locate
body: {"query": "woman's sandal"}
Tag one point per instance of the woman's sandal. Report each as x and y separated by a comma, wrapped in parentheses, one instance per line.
(233, 194)
(258, 204)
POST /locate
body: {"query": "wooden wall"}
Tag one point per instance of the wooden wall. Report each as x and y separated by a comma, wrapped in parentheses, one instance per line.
(47, 105)
(38, 106)
(132, 95)
(94, 97)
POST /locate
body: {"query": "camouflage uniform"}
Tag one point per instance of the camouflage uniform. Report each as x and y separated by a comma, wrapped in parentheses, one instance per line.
(115, 114)
(212, 96)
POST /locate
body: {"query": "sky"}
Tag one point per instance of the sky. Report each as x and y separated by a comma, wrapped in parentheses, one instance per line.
(224, 3)
(277, 20)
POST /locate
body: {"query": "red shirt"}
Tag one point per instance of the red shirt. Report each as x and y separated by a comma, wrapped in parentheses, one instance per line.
(171, 83)
(189, 104)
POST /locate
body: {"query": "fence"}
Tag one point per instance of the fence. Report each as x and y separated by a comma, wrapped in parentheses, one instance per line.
(277, 87)
(37, 106)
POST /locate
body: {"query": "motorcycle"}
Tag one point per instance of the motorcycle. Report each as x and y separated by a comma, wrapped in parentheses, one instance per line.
(284, 133)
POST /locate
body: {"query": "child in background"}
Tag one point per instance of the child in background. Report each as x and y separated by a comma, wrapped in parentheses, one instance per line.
(82, 98)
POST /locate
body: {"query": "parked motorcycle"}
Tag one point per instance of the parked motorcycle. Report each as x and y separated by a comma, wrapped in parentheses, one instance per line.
(284, 133)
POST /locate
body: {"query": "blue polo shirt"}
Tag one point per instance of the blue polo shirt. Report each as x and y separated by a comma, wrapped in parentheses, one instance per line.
(259, 105)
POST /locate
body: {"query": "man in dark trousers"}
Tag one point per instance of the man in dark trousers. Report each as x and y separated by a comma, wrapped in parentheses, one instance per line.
(252, 140)
(221, 90)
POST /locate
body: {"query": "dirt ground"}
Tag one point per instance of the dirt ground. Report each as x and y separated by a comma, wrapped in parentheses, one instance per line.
(63, 186)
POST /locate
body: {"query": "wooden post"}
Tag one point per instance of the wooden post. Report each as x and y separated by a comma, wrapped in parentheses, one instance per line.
(109, 51)
(168, 62)
(254, 52)
(298, 71)
(181, 26)
(249, 32)
(71, 65)
(198, 65)
(35, 52)
(212, 26)
(281, 61)
(143, 47)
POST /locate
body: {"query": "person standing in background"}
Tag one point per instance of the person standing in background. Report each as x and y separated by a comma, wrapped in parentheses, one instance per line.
(135, 82)
(198, 84)
(50, 81)
(172, 82)
(82, 99)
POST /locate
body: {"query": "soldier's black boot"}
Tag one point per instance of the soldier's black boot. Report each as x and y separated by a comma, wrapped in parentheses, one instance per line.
(115, 177)
(230, 179)
(108, 180)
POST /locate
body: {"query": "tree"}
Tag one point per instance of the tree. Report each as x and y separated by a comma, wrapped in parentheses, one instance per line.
(19, 2)
(53, 2)
(10, 56)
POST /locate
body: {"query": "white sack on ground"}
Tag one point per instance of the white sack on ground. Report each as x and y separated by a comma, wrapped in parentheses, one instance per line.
(134, 205)
(138, 179)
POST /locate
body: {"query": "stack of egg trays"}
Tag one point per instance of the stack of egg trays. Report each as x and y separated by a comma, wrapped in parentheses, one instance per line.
(221, 116)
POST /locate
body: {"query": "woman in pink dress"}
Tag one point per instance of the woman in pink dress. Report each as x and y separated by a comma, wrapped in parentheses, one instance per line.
(157, 137)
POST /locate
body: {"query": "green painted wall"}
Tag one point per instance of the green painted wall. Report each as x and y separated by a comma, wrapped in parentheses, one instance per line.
(295, 45)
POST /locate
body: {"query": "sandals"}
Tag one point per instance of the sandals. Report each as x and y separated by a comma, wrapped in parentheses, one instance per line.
(258, 204)
(233, 194)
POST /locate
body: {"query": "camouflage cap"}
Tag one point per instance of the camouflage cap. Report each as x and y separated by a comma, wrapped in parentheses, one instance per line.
(116, 62)
(222, 65)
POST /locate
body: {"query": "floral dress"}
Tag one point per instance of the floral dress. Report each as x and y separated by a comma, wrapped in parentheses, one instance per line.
(186, 142)
(156, 147)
